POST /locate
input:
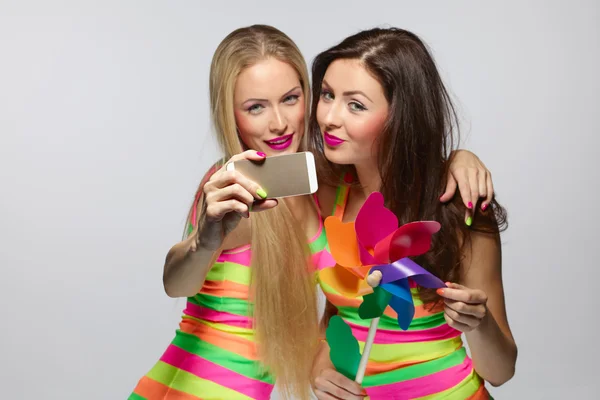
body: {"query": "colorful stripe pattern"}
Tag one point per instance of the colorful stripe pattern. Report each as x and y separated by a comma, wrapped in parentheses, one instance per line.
(213, 354)
(427, 361)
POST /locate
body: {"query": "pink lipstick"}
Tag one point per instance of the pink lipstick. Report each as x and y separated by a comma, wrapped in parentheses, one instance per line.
(331, 140)
(280, 143)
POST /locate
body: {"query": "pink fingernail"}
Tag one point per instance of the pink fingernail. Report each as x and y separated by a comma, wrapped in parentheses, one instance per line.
(484, 206)
(470, 205)
(261, 154)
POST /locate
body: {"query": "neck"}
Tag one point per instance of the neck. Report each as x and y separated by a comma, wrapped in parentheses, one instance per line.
(368, 177)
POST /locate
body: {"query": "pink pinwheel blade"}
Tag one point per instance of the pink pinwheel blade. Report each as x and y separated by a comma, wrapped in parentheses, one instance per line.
(373, 223)
(412, 239)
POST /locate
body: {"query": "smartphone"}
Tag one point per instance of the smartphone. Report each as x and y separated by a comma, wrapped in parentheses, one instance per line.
(280, 176)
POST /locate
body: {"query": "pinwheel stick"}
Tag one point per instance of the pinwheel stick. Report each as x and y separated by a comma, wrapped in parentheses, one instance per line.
(364, 359)
(373, 280)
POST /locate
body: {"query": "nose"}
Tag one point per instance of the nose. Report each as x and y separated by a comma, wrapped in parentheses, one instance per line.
(278, 123)
(332, 117)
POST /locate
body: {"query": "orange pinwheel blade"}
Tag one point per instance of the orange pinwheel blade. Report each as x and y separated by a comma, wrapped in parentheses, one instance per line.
(342, 242)
(344, 281)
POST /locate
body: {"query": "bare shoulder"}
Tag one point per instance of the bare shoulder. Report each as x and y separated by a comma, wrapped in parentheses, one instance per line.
(326, 195)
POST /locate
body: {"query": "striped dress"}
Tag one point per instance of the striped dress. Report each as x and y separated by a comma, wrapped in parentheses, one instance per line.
(213, 354)
(427, 361)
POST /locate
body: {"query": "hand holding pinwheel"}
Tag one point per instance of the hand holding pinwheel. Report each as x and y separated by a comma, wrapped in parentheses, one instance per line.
(464, 308)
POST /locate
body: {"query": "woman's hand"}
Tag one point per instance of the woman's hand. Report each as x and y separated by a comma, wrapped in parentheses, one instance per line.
(464, 308)
(228, 197)
(473, 180)
(329, 384)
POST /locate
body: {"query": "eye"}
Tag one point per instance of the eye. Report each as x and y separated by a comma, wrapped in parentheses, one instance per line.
(291, 99)
(356, 106)
(255, 109)
(326, 95)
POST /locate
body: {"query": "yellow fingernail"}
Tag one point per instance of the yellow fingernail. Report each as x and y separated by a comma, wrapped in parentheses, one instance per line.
(261, 193)
(469, 221)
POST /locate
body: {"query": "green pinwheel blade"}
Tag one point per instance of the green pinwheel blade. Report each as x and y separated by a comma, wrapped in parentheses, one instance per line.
(344, 351)
(374, 304)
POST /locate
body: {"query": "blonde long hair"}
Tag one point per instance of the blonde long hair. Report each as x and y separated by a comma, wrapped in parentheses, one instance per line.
(283, 289)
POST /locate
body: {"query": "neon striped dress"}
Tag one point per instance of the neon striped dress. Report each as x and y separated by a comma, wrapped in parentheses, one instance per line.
(427, 361)
(213, 354)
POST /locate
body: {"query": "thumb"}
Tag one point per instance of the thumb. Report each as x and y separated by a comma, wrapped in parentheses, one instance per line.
(249, 155)
(262, 205)
(452, 285)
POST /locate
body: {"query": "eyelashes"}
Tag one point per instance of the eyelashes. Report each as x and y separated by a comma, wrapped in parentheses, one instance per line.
(257, 108)
(353, 105)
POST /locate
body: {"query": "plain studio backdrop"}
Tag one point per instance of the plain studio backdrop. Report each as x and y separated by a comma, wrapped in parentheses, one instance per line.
(105, 135)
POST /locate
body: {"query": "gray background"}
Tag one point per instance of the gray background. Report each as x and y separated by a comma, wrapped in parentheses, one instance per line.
(105, 135)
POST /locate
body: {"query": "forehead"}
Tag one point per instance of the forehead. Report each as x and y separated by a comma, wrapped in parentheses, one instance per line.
(266, 79)
(348, 75)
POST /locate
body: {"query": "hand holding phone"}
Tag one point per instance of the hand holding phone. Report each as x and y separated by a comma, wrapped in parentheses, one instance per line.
(228, 196)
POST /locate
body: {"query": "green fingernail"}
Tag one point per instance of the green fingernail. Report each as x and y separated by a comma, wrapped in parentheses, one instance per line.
(469, 221)
(261, 192)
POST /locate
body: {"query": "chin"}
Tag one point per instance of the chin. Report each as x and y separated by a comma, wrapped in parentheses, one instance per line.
(337, 156)
(289, 150)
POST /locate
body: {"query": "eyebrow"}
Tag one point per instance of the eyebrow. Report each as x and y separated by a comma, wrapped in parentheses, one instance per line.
(265, 100)
(350, 92)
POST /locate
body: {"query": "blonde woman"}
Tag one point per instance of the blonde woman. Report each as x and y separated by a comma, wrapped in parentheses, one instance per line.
(244, 265)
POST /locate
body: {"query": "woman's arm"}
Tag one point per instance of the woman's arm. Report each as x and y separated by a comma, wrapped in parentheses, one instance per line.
(227, 198)
(476, 307)
(186, 266)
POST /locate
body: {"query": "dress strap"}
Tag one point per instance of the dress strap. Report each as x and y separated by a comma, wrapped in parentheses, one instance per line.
(341, 198)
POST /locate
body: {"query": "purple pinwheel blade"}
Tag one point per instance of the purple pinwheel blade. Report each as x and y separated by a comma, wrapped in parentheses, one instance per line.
(407, 268)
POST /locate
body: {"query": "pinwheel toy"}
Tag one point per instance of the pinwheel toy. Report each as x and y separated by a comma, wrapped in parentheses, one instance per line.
(374, 242)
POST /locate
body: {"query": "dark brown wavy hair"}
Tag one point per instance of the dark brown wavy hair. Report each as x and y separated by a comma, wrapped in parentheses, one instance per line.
(415, 146)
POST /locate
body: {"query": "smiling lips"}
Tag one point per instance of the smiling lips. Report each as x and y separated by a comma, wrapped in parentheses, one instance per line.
(331, 140)
(280, 143)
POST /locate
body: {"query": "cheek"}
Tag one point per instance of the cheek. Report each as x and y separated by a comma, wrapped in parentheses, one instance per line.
(248, 127)
(296, 116)
(366, 130)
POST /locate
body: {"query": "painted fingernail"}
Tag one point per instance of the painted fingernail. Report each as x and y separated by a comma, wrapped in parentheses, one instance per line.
(261, 154)
(440, 291)
(484, 206)
(470, 205)
(261, 193)
(469, 221)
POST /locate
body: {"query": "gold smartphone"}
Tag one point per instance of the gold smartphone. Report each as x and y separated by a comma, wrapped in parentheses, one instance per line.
(280, 176)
